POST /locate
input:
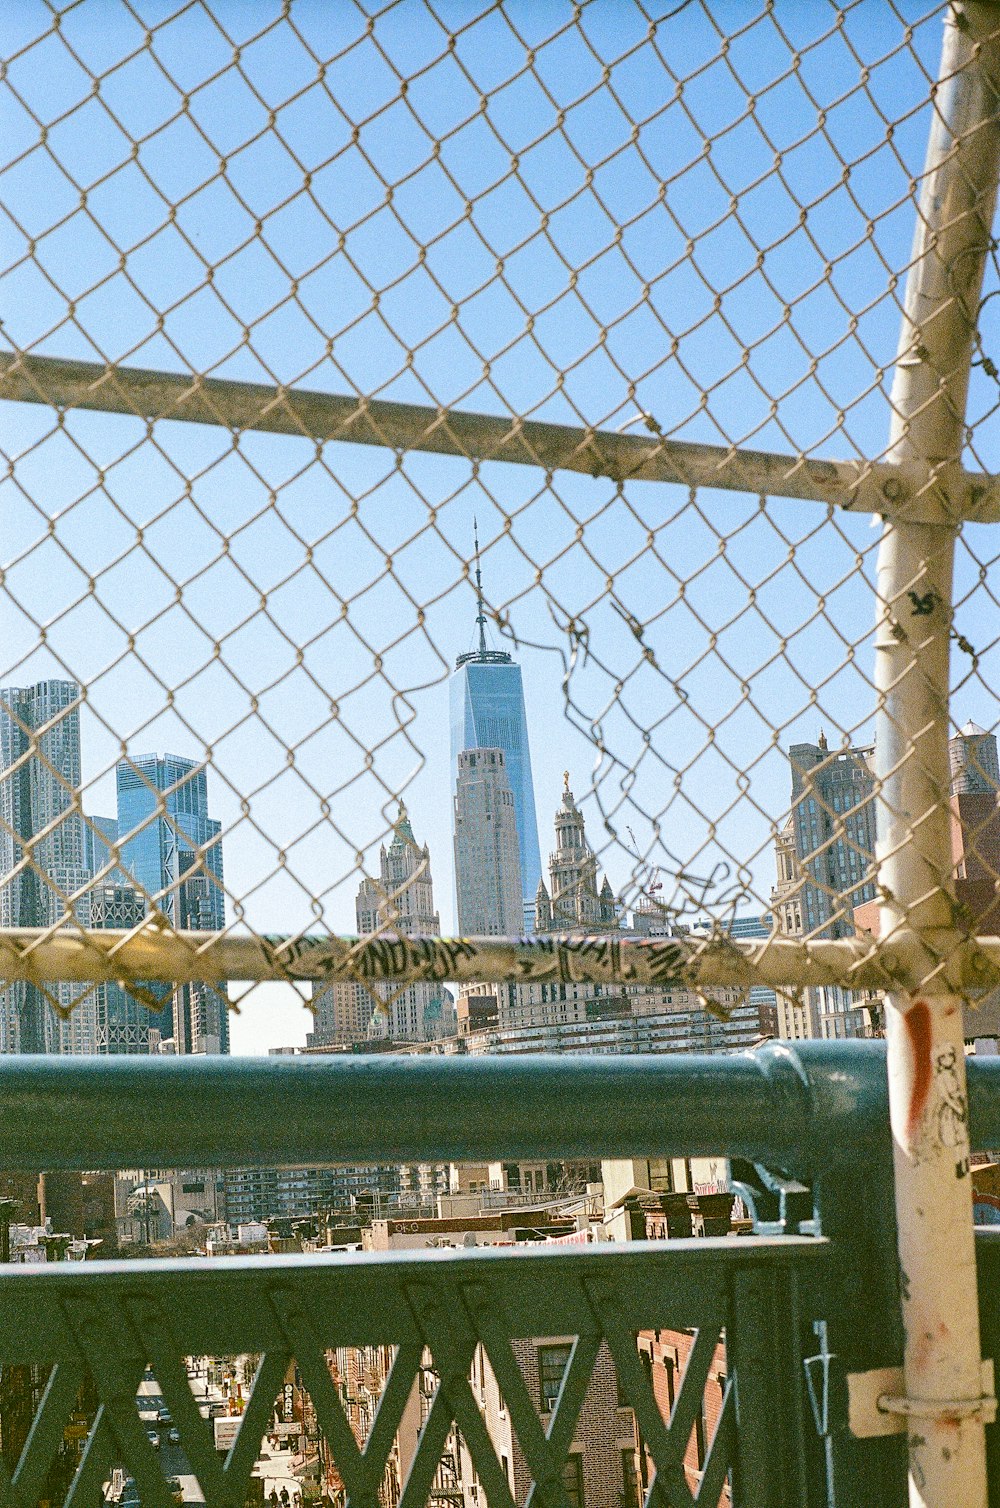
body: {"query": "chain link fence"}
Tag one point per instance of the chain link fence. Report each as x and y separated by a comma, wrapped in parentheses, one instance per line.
(299, 299)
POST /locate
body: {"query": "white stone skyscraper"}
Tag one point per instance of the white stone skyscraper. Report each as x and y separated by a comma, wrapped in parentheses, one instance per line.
(487, 855)
(401, 902)
(824, 856)
(573, 901)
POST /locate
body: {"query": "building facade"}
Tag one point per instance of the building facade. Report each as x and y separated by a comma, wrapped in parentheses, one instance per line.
(40, 822)
(676, 1198)
(827, 847)
(171, 849)
(578, 1018)
(122, 1021)
(824, 859)
(487, 850)
(975, 851)
(601, 1460)
(342, 1013)
(290, 1193)
(401, 901)
(165, 832)
(100, 837)
(487, 712)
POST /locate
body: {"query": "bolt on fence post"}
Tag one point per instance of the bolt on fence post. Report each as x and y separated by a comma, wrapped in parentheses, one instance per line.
(926, 1061)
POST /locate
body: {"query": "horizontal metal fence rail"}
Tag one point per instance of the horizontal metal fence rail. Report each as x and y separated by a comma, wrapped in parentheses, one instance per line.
(806, 1107)
(764, 1106)
(936, 966)
(885, 487)
(151, 395)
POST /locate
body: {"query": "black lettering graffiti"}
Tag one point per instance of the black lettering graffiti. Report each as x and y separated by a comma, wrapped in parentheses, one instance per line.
(922, 605)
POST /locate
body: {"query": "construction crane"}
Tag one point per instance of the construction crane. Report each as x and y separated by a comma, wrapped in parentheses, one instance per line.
(657, 884)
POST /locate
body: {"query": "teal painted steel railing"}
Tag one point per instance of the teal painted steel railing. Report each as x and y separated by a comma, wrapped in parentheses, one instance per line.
(807, 1302)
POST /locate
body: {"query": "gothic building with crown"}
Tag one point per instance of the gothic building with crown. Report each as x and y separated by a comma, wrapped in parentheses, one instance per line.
(573, 902)
(579, 1016)
(400, 901)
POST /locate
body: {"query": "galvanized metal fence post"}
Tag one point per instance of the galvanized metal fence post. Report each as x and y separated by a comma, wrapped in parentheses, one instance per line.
(943, 1395)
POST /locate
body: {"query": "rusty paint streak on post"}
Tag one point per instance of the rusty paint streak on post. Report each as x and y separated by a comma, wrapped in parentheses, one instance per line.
(942, 1367)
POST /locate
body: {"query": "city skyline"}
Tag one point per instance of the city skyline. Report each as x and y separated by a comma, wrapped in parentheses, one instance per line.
(163, 834)
(282, 611)
(113, 1021)
(57, 861)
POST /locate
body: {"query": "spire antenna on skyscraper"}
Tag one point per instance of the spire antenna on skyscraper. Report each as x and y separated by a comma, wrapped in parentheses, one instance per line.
(482, 654)
(481, 616)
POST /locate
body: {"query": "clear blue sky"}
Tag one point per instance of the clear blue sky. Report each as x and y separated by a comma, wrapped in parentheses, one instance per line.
(558, 254)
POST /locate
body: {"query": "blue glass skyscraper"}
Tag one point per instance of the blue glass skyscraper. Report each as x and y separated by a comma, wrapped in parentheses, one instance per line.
(171, 848)
(162, 820)
(487, 712)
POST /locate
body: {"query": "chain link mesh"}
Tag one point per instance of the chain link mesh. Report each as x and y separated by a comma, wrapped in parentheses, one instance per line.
(688, 224)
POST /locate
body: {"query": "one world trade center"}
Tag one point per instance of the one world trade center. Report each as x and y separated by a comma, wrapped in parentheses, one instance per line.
(487, 712)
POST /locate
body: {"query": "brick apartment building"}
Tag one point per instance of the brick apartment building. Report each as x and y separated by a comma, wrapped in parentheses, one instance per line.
(665, 1355)
(673, 1199)
(600, 1471)
(608, 1464)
